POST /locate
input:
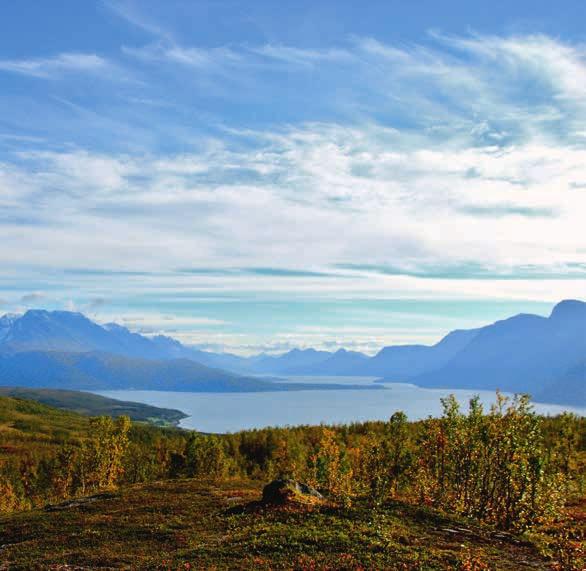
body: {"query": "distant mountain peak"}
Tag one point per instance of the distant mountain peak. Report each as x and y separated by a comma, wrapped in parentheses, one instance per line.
(44, 314)
(9, 318)
(33, 313)
(6, 322)
(298, 351)
(569, 308)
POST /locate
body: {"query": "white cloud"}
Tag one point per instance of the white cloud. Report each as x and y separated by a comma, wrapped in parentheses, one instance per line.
(80, 171)
(302, 56)
(195, 57)
(447, 157)
(164, 324)
(249, 58)
(60, 64)
(127, 11)
(562, 67)
(343, 188)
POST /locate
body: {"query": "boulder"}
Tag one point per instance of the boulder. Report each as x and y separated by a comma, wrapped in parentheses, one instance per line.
(283, 491)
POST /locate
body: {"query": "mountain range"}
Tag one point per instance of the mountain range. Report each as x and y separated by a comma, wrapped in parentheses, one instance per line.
(95, 371)
(545, 356)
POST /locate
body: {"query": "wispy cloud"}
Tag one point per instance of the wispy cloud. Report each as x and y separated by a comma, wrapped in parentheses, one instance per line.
(251, 58)
(48, 68)
(475, 271)
(317, 180)
(501, 210)
(206, 59)
(128, 12)
(33, 298)
(288, 272)
(302, 56)
(96, 304)
(157, 324)
(561, 67)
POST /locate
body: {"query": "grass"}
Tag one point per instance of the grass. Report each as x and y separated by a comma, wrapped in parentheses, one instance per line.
(191, 524)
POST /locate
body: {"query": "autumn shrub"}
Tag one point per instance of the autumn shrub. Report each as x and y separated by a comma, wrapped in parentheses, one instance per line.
(8, 497)
(204, 456)
(493, 467)
(329, 468)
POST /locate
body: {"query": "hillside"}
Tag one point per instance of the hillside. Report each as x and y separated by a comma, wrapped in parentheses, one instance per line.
(27, 426)
(95, 405)
(104, 371)
(290, 361)
(31, 432)
(525, 353)
(403, 362)
(66, 350)
(190, 501)
(20, 417)
(192, 524)
(569, 387)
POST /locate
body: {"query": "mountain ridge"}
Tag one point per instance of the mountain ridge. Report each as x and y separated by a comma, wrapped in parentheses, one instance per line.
(523, 353)
(96, 371)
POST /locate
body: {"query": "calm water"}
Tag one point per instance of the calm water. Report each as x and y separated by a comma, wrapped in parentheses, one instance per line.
(230, 412)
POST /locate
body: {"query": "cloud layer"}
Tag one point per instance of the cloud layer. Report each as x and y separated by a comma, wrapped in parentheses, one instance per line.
(451, 168)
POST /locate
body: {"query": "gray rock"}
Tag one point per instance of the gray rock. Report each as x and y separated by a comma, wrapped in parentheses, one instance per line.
(282, 491)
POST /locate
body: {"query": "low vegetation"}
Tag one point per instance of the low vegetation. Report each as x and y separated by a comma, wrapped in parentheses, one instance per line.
(444, 493)
(195, 524)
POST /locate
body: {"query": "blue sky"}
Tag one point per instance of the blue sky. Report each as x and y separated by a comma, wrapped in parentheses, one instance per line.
(260, 176)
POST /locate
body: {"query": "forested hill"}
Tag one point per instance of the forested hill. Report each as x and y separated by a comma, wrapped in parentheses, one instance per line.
(95, 405)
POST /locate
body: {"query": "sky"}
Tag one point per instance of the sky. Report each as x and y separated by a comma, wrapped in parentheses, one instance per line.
(257, 176)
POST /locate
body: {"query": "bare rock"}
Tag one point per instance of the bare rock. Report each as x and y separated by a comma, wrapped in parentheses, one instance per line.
(283, 491)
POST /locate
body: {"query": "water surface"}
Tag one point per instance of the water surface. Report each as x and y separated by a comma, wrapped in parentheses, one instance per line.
(230, 412)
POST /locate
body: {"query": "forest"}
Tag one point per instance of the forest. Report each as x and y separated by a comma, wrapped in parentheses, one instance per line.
(505, 467)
